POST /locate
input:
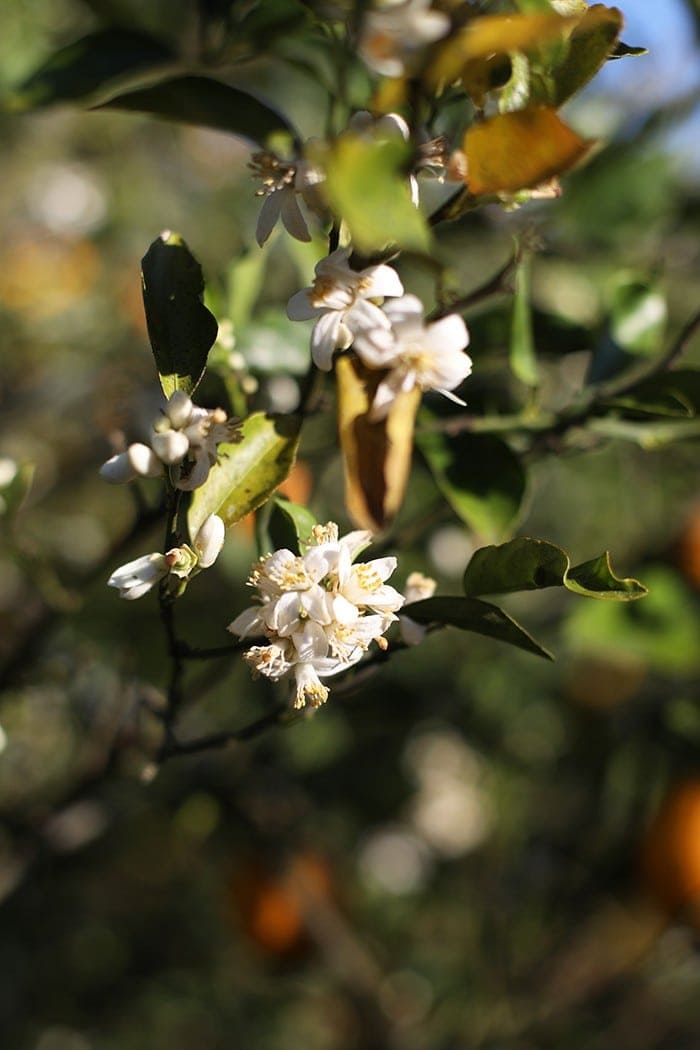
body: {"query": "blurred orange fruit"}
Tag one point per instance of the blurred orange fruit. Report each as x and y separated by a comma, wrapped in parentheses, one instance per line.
(272, 907)
(688, 549)
(46, 276)
(671, 848)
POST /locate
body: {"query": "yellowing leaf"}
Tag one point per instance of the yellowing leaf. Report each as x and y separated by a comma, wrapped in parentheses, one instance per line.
(514, 151)
(495, 35)
(376, 456)
(247, 472)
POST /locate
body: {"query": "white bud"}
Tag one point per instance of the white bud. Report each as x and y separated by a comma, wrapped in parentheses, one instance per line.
(210, 540)
(118, 469)
(171, 446)
(137, 577)
(144, 461)
(179, 409)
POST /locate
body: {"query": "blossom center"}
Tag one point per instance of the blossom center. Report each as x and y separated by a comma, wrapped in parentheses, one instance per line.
(274, 174)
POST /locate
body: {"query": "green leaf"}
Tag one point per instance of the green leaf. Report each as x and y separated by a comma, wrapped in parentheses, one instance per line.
(526, 564)
(636, 324)
(482, 480)
(180, 328)
(523, 359)
(622, 50)
(289, 524)
(247, 472)
(205, 102)
(82, 68)
(595, 579)
(471, 614)
(589, 46)
(245, 277)
(669, 394)
(367, 184)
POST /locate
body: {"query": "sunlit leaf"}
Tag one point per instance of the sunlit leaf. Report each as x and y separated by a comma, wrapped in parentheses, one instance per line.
(367, 183)
(471, 614)
(247, 472)
(589, 46)
(205, 102)
(376, 456)
(490, 35)
(523, 358)
(82, 68)
(514, 151)
(180, 328)
(289, 524)
(526, 564)
(479, 476)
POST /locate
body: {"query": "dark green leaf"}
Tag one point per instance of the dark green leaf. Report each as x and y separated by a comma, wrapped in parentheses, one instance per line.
(206, 102)
(289, 524)
(622, 50)
(470, 614)
(526, 564)
(479, 476)
(180, 328)
(89, 64)
(247, 472)
(670, 394)
(635, 328)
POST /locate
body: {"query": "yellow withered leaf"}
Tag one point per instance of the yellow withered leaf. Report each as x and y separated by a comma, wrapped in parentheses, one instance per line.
(495, 35)
(514, 151)
(376, 456)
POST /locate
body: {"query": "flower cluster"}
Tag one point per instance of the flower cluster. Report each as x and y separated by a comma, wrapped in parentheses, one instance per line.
(184, 438)
(137, 577)
(394, 338)
(340, 301)
(319, 611)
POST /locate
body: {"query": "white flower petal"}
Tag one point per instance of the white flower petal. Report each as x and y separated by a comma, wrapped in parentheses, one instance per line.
(247, 623)
(448, 333)
(137, 577)
(269, 214)
(299, 307)
(324, 340)
(382, 280)
(292, 218)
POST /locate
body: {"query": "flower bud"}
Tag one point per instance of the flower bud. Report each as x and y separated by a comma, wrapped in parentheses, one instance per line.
(118, 469)
(171, 446)
(179, 409)
(137, 577)
(144, 461)
(209, 541)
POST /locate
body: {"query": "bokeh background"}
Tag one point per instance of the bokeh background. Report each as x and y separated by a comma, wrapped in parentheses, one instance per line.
(472, 849)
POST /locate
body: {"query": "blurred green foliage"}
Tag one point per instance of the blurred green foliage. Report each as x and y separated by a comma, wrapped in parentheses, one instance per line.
(447, 856)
